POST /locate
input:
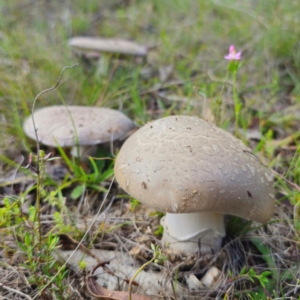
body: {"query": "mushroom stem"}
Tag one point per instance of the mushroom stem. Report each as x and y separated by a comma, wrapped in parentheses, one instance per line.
(187, 232)
(103, 65)
(83, 152)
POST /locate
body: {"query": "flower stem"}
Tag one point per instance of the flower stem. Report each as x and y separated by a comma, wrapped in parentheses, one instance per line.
(237, 104)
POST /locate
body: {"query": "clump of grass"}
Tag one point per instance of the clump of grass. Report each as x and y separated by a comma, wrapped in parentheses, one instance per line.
(36, 247)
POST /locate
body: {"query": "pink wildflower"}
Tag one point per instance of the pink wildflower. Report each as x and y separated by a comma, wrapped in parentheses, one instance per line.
(233, 55)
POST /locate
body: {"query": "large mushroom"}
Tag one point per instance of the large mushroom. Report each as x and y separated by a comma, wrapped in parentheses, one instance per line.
(106, 48)
(196, 173)
(74, 126)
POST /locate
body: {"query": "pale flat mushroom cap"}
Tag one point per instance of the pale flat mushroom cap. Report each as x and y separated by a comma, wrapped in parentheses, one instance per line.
(182, 164)
(86, 44)
(62, 125)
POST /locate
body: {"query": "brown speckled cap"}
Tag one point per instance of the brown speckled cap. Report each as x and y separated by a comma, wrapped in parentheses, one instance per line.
(62, 125)
(119, 46)
(182, 164)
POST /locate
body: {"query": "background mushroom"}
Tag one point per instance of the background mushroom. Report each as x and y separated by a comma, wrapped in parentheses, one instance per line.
(107, 48)
(73, 126)
(196, 173)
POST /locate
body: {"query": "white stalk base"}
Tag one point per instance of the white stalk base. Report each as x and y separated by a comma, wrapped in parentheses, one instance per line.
(83, 152)
(188, 232)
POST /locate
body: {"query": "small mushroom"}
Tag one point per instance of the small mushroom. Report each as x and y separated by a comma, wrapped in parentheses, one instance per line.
(107, 48)
(211, 277)
(73, 126)
(209, 280)
(196, 173)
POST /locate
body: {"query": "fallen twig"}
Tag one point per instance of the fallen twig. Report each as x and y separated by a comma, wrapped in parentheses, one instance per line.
(15, 291)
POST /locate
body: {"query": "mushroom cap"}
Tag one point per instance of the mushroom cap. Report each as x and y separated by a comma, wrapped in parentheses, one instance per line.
(182, 164)
(107, 45)
(77, 125)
